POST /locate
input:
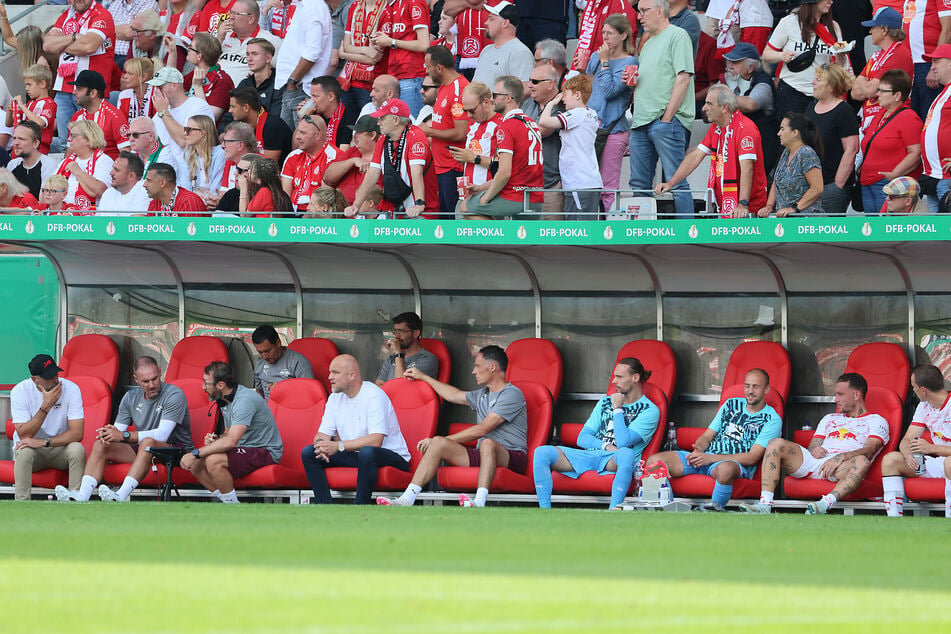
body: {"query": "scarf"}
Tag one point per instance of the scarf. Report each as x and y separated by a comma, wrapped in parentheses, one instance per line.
(594, 13)
(83, 200)
(67, 61)
(725, 170)
(142, 108)
(355, 71)
(732, 17)
(333, 123)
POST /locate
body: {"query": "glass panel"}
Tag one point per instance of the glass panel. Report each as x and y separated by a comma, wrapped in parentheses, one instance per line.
(356, 323)
(141, 320)
(824, 329)
(467, 323)
(703, 331)
(933, 331)
(589, 331)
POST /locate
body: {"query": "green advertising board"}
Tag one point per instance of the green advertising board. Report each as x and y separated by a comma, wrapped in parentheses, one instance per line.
(509, 232)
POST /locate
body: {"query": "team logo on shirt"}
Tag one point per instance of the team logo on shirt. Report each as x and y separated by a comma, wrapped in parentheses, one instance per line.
(728, 205)
(419, 148)
(124, 130)
(499, 135)
(457, 110)
(83, 202)
(101, 24)
(746, 143)
(417, 13)
(470, 46)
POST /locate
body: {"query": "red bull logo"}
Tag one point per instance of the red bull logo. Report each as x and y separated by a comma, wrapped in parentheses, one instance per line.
(843, 434)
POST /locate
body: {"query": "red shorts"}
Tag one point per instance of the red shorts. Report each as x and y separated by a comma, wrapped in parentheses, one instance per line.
(244, 460)
(518, 460)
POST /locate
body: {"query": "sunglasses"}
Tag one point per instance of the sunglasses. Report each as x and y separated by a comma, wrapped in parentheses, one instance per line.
(470, 111)
(189, 130)
(43, 190)
(136, 135)
(538, 81)
(429, 86)
(496, 95)
(895, 196)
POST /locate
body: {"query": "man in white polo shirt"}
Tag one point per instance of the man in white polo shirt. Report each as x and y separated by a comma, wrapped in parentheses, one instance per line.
(127, 194)
(48, 421)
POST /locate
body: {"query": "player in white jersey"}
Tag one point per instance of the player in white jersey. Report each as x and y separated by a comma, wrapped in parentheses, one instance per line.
(842, 449)
(934, 416)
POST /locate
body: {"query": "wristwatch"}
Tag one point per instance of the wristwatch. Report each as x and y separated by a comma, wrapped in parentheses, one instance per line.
(745, 202)
(340, 446)
(161, 113)
(195, 452)
(420, 202)
(401, 355)
(393, 44)
(47, 444)
(126, 435)
(795, 206)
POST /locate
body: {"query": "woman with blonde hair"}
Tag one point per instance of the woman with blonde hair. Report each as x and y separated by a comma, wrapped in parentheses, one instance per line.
(86, 167)
(14, 195)
(135, 98)
(326, 202)
(53, 196)
(204, 158)
(839, 130)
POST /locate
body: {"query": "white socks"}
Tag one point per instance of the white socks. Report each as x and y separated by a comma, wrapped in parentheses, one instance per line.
(128, 486)
(230, 497)
(947, 498)
(894, 488)
(86, 487)
(409, 495)
(481, 495)
(766, 497)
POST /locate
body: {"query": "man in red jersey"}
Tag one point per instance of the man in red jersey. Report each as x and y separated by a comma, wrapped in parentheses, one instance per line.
(476, 156)
(90, 93)
(82, 37)
(518, 151)
(936, 133)
(448, 125)
(168, 199)
(304, 169)
(405, 32)
(403, 157)
(733, 143)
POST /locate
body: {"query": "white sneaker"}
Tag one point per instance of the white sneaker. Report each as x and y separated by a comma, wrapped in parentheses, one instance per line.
(465, 501)
(817, 508)
(63, 494)
(106, 494)
(758, 507)
(382, 501)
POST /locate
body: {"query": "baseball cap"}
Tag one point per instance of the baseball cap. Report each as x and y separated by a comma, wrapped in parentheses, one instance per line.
(167, 75)
(941, 52)
(887, 17)
(90, 79)
(506, 11)
(366, 123)
(902, 186)
(743, 50)
(392, 106)
(43, 366)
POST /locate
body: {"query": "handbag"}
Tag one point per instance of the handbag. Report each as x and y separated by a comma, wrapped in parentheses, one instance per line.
(805, 59)
(601, 136)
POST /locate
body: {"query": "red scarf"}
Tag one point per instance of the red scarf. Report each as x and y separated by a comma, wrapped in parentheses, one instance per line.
(355, 71)
(332, 124)
(83, 200)
(725, 170)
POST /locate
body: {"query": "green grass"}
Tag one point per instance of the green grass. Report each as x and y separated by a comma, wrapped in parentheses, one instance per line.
(182, 567)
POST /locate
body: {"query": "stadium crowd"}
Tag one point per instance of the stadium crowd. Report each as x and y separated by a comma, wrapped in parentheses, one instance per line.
(359, 428)
(465, 108)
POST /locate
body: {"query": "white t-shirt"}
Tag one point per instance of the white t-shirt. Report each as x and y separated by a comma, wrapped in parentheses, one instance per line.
(26, 400)
(580, 127)
(234, 53)
(937, 421)
(115, 203)
(188, 109)
(101, 171)
(369, 412)
(787, 36)
(841, 433)
(755, 13)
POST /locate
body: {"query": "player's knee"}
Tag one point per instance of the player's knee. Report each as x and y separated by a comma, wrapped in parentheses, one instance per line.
(861, 463)
(546, 455)
(624, 457)
(775, 444)
(146, 442)
(726, 474)
(366, 455)
(75, 451)
(216, 461)
(487, 446)
(892, 460)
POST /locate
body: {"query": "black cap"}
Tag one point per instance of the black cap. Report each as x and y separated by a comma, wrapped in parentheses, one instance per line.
(90, 79)
(366, 123)
(43, 366)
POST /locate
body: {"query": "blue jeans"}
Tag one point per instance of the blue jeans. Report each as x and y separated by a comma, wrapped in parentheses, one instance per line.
(411, 94)
(355, 98)
(873, 197)
(921, 96)
(289, 103)
(367, 460)
(665, 141)
(66, 107)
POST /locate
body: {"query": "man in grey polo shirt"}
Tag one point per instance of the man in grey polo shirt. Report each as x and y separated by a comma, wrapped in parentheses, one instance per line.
(277, 362)
(406, 351)
(502, 430)
(159, 412)
(247, 438)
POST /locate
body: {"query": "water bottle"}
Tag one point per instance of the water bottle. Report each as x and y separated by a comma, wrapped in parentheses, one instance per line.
(919, 457)
(671, 444)
(666, 495)
(638, 477)
(806, 426)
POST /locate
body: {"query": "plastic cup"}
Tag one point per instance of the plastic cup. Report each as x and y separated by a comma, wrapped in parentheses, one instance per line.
(629, 75)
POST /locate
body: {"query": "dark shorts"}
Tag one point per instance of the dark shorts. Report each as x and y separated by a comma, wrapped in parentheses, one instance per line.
(518, 460)
(244, 460)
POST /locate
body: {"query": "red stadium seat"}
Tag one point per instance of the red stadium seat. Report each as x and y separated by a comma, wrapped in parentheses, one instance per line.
(882, 401)
(320, 352)
(925, 489)
(536, 360)
(439, 349)
(97, 410)
(592, 482)
(769, 356)
(417, 410)
(539, 402)
(657, 357)
(298, 407)
(192, 354)
(883, 365)
(699, 486)
(91, 355)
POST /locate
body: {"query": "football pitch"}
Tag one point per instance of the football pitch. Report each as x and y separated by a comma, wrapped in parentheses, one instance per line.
(199, 567)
